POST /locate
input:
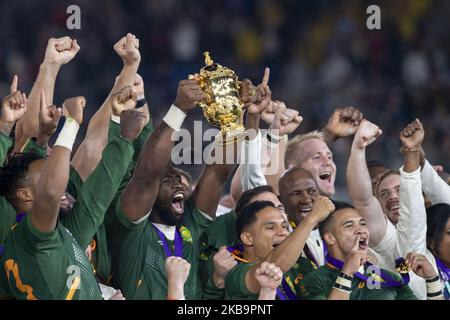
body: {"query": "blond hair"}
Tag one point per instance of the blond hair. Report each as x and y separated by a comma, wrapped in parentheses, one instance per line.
(292, 149)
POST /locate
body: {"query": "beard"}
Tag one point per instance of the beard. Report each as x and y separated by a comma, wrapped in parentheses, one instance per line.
(165, 214)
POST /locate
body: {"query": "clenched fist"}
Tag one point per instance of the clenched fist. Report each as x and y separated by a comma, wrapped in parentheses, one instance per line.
(131, 124)
(73, 108)
(412, 136)
(223, 263)
(366, 134)
(188, 94)
(344, 122)
(128, 49)
(124, 99)
(321, 209)
(285, 120)
(177, 271)
(269, 275)
(48, 118)
(60, 51)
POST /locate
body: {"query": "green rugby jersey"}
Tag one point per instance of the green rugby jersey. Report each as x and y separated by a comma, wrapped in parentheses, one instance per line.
(235, 288)
(94, 197)
(221, 233)
(45, 266)
(7, 212)
(101, 256)
(318, 285)
(138, 257)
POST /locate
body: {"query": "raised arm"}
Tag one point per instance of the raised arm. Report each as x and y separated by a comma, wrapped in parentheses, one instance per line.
(140, 193)
(58, 52)
(359, 184)
(412, 223)
(432, 184)
(249, 173)
(286, 254)
(13, 108)
(285, 121)
(343, 123)
(89, 153)
(55, 173)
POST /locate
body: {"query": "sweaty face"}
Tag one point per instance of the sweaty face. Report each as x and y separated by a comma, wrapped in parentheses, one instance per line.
(389, 197)
(348, 225)
(299, 195)
(169, 203)
(318, 160)
(268, 231)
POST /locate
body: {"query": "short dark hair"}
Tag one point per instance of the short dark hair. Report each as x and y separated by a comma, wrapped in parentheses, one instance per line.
(13, 174)
(248, 195)
(437, 219)
(248, 213)
(324, 226)
(375, 163)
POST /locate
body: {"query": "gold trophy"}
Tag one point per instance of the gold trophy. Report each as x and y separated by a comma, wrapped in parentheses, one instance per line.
(221, 106)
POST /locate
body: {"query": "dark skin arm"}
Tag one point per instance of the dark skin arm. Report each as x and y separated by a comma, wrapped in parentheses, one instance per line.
(90, 151)
(140, 194)
(13, 108)
(58, 52)
(51, 186)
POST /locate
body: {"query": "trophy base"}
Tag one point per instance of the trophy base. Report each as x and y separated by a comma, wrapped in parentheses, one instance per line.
(228, 137)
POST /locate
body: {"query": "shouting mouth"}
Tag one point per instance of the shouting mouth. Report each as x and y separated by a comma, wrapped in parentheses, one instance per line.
(363, 243)
(177, 202)
(325, 176)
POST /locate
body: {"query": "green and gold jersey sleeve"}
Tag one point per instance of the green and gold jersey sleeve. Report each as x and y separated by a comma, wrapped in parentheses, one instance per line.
(98, 191)
(317, 285)
(138, 143)
(7, 219)
(46, 265)
(235, 287)
(32, 146)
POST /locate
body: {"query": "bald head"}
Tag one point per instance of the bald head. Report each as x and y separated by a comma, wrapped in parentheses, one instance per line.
(298, 190)
(290, 176)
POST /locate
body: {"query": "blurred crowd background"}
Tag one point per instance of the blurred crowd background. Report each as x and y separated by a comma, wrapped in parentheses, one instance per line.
(320, 52)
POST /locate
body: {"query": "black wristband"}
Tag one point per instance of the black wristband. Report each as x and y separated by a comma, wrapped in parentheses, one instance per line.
(341, 287)
(434, 294)
(271, 138)
(140, 103)
(433, 279)
(345, 276)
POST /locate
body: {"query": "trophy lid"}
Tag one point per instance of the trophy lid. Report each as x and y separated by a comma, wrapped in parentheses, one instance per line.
(213, 69)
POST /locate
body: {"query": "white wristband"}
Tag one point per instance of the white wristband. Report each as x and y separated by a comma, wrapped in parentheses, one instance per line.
(66, 137)
(434, 287)
(115, 119)
(174, 118)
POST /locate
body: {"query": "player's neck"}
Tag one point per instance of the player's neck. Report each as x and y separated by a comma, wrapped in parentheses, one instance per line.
(249, 254)
(336, 253)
